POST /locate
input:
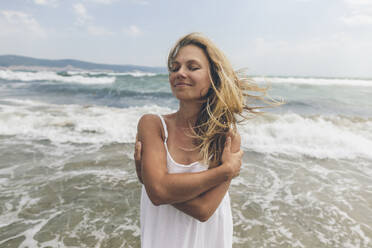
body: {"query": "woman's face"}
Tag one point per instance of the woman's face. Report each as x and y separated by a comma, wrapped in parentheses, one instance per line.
(189, 74)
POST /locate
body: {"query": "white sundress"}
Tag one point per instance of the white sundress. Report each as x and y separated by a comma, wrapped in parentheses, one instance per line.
(165, 226)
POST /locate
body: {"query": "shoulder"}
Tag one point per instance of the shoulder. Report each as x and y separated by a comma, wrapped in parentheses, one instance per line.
(148, 119)
(149, 123)
(235, 140)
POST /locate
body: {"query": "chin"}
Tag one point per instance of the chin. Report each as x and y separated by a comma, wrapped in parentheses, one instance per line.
(183, 98)
(187, 98)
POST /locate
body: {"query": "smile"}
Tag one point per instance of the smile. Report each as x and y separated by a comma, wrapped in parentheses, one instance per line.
(181, 85)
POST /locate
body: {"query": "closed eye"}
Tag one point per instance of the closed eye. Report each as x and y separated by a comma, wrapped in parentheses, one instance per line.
(174, 68)
(193, 66)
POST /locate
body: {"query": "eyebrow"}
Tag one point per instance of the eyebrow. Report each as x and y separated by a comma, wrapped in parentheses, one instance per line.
(187, 62)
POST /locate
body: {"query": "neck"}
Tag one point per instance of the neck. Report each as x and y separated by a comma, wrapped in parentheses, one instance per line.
(187, 113)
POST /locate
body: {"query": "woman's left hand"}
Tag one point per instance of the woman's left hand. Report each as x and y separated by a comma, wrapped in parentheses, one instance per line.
(137, 158)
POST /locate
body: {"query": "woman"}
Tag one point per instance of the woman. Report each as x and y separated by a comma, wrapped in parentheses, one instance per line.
(187, 159)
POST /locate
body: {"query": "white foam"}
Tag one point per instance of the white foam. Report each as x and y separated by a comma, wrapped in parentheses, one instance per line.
(356, 229)
(315, 81)
(320, 137)
(53, 76)
(30, 233)
(132, 73)
(72, 123)
(290, 134)
(11, 215)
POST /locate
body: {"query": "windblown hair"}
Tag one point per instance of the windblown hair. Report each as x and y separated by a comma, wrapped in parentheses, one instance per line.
(226, 99)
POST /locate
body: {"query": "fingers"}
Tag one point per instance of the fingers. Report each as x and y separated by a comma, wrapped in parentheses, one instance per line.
(137, 151)
(241, 153)
(228, 144)
(137, 159)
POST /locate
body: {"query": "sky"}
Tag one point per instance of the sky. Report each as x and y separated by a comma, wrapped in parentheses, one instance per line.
(321, 38)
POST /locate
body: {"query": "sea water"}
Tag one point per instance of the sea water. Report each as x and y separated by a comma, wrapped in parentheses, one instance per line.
(67, 176)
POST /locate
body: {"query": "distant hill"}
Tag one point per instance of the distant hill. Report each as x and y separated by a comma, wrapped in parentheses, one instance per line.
(68, 64)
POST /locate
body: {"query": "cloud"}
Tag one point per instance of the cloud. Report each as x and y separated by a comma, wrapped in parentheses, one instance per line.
(140, 2)
(359, 2)
(82, 14)
(132, 30)
(107, 2)
(356, 19)
(53, 3)
(85, 21)
(98, 30)
(338, 54)
(361, 13)
(19, 23)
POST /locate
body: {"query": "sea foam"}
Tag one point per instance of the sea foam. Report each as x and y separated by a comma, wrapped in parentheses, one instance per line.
(72, 123)
(95, 73)
(314, 81)
(290, 134)
(314, 136)
(53, 76)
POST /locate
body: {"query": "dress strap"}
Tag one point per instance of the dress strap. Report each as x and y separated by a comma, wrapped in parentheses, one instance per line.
(164, 127)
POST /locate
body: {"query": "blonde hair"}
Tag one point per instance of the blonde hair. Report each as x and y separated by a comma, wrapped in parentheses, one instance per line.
(225, 99)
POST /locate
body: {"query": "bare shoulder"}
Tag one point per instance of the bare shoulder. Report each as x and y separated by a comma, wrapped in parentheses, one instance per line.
(148, 120)
(149, 124)
(235, 140)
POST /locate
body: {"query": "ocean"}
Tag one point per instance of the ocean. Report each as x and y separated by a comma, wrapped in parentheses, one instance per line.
(67, 176)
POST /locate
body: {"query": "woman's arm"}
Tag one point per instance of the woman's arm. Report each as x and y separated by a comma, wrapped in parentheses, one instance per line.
(204, 206)
(201, 207)
(165, 188)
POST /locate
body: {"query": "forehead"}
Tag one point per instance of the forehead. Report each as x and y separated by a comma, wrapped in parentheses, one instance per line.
(190, 53)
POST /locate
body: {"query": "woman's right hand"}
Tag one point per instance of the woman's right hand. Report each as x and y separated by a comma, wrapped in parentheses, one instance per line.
(138, 158)
(232, 160)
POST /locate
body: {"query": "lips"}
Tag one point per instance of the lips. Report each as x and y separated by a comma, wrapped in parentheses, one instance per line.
(181, 84)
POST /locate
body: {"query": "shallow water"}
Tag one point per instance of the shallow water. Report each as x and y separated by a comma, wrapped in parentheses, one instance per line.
(82, 198)
(89, 197)
(67, 176)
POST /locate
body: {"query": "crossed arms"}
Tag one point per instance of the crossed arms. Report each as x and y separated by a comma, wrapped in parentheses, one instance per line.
(196, 194)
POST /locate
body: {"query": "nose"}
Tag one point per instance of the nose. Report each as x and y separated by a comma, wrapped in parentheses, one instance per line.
(181, 73)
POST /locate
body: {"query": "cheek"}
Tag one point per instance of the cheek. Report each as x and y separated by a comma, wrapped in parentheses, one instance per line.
(205, 90)
(206, 85)
(170, 77)
(171, 80)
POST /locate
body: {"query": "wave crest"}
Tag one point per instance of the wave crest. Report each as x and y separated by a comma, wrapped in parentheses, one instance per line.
(315, 81)
(53, 76)
(289, 134)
